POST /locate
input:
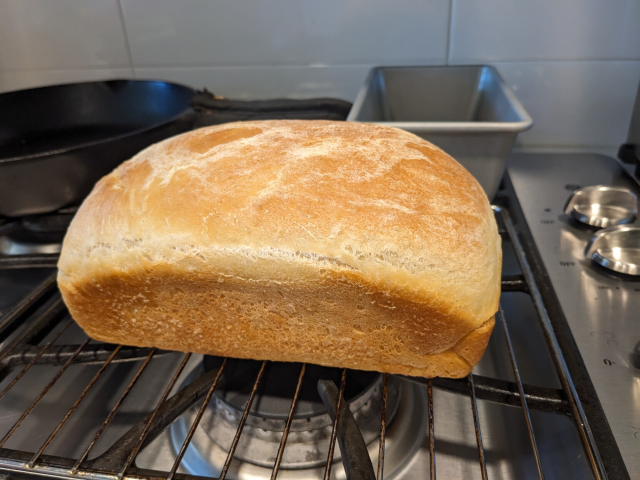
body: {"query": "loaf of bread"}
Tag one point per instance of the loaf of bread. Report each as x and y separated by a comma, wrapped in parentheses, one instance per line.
(334, 243)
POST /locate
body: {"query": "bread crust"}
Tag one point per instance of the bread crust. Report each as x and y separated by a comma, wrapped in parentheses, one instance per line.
(342, 244)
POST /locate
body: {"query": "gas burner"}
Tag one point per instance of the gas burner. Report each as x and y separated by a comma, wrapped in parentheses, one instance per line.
(310, 432)
(11, 246)
(35, 234)
(308, 441)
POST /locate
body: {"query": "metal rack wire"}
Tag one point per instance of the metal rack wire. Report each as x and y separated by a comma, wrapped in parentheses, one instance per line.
(23, 351)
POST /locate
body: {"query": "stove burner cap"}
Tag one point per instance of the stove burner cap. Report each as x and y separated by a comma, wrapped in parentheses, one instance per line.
(311, 426)
(278, 385)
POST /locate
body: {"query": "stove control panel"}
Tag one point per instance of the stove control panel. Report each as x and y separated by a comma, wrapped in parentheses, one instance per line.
(602, 307)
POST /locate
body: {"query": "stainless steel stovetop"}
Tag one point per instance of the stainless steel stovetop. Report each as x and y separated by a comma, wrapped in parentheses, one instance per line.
(602, 308)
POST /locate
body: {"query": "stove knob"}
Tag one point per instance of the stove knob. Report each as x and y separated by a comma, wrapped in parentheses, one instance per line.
(616, 248)
(602, 206)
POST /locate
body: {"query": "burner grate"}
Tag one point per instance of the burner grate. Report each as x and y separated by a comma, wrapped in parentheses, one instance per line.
(42, 313)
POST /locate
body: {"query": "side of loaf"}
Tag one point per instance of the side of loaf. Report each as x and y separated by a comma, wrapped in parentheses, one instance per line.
(341, 244)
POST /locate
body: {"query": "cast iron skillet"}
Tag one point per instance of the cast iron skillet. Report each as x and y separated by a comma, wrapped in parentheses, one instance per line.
(56, 142)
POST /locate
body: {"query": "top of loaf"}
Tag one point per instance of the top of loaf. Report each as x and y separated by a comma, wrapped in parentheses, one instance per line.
(288, 200)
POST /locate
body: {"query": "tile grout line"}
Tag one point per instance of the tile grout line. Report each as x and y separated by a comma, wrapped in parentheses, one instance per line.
(449, 29)
(332, 65)
(429, 61)
(126, 38)
(64, 69)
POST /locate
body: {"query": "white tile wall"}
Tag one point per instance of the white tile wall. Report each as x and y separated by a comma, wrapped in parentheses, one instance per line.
(574, 64)
(286, 32)
(574, 103)
(499, 30)
(61, 34)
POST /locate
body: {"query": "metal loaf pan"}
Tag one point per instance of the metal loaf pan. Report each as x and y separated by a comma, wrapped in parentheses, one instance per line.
(467, 111)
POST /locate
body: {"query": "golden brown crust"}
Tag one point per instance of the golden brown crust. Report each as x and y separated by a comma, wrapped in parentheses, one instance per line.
(342, 244)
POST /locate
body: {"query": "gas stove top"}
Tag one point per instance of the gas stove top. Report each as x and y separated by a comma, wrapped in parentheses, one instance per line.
(602, 308)
(530, 409)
